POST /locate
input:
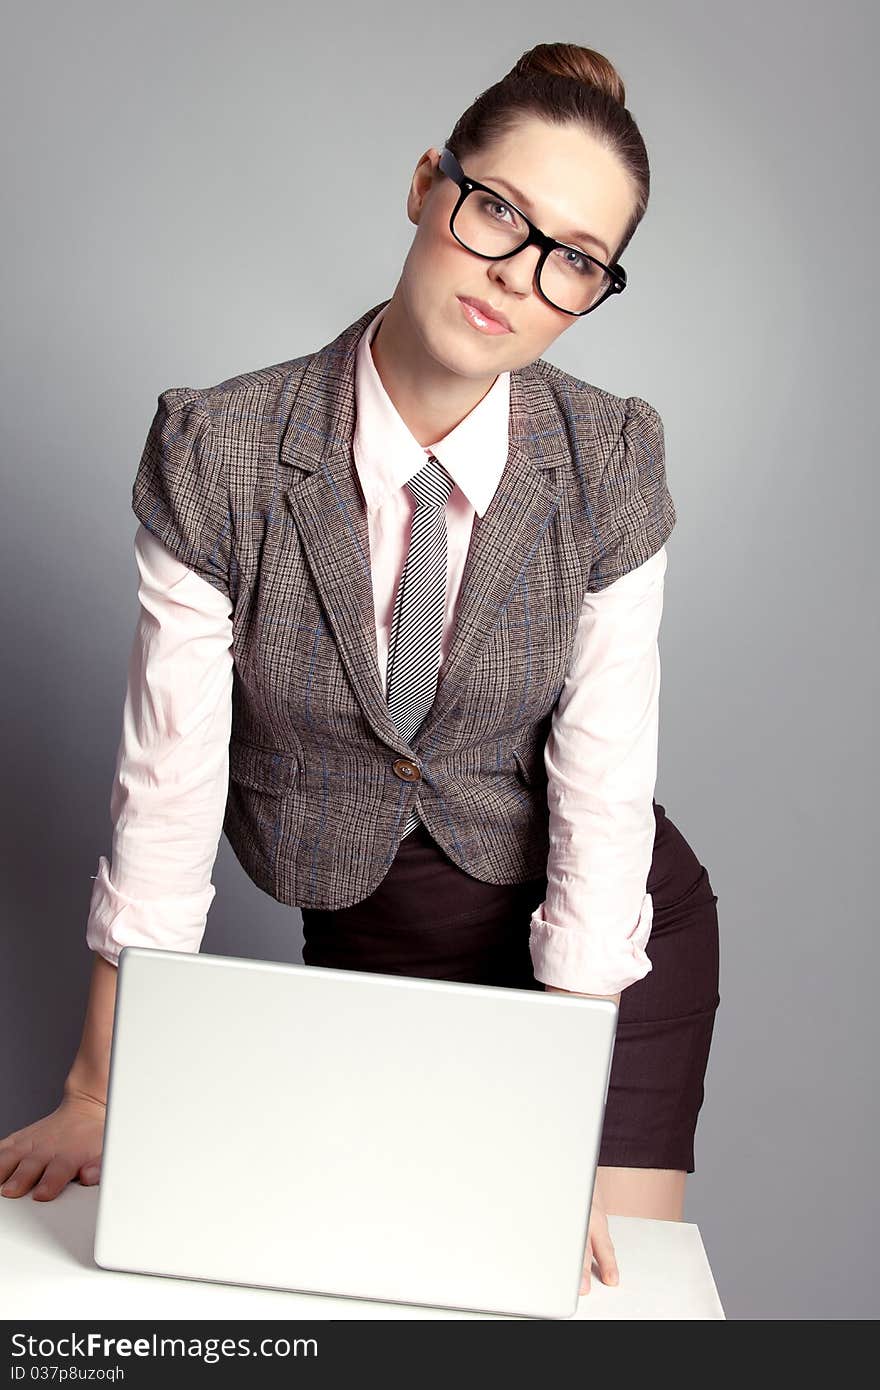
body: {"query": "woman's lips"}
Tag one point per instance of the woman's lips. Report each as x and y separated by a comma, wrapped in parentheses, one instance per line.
(480, 320)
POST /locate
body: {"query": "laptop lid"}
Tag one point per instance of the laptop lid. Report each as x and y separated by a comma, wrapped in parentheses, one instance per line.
(350, 1133)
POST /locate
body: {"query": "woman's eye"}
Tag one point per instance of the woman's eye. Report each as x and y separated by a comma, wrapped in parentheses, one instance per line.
(492, 205)
(573, 260)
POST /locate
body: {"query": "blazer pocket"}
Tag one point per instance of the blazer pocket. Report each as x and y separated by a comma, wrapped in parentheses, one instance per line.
(265, 769)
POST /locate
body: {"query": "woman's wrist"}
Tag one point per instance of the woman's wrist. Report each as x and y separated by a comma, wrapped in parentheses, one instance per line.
(555, 989)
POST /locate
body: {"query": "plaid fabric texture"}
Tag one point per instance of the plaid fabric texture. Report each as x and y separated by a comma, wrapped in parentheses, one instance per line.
(252, 484)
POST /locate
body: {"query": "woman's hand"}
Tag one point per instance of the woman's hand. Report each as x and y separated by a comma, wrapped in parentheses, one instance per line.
(51, 1152)
(599, 1246)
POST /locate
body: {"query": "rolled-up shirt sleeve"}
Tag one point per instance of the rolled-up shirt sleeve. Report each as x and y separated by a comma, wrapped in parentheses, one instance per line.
(590, 933)
(170, 782)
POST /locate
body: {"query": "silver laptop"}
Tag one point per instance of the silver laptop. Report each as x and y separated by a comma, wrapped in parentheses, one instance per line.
(352, 1134)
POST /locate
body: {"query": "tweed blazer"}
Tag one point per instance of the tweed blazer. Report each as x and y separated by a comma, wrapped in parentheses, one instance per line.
(252, 484)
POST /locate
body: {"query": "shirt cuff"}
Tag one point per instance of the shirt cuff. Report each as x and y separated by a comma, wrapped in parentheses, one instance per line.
(172, 923)
(578, 959)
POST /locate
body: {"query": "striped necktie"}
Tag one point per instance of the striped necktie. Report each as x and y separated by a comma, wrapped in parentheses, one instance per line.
(417, 625)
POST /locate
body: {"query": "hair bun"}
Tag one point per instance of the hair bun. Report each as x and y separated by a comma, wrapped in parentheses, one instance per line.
(571, 60)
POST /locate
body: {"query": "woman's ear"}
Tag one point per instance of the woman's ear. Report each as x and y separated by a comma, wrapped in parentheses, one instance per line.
(425, 176)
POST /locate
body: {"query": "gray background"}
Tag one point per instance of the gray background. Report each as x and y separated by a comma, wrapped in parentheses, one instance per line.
(164, 166)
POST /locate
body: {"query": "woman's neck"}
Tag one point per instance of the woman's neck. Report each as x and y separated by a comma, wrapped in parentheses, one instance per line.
(429, 398)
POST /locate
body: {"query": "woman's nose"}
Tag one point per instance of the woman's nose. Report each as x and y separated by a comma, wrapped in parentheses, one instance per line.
(517, 272)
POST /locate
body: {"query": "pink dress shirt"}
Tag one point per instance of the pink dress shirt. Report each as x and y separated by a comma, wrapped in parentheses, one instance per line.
(172, 767)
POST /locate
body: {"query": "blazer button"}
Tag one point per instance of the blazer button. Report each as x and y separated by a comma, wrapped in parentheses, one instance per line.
(406, 770)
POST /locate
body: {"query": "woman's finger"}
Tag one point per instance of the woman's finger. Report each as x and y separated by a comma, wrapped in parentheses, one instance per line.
(58, 1174)
(603, 1253)
(23, 1176)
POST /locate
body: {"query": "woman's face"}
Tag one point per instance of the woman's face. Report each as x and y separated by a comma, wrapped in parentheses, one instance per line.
(566, 182)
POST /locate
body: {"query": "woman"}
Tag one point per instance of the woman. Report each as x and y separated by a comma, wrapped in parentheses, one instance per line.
(401, 600)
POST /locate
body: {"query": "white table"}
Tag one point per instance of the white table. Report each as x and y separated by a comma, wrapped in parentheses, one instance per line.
(47, 1271)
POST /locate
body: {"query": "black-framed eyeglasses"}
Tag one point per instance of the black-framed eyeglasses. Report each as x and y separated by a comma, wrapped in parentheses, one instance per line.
(569, 278)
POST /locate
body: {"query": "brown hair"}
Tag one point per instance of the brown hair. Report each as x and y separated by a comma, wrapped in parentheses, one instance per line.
(562, 83)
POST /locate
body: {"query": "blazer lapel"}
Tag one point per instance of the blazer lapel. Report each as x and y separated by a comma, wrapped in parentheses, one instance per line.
(331, 519)
(330, 514)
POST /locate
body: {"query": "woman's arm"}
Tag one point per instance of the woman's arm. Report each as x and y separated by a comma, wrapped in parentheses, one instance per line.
(589, 935)
(169, 789)
(172, 769)
(89, 1074)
